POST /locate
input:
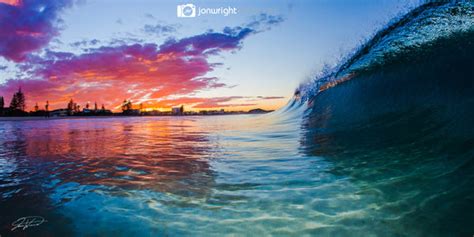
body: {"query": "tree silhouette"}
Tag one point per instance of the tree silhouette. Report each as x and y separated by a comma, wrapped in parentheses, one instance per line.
(46, 108)
(2, 104)
(18, 101)
(70, 105)
(127, 105)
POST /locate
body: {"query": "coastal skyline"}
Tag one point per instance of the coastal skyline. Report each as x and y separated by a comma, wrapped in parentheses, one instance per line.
(149, 55)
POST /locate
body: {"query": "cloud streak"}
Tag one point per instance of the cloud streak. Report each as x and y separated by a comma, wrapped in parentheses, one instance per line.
(159, 29)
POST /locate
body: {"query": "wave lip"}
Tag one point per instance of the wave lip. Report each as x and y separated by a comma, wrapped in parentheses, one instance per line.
(413, 32)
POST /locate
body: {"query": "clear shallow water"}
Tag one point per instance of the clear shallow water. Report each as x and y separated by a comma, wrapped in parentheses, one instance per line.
(201, 176)
(148, 176)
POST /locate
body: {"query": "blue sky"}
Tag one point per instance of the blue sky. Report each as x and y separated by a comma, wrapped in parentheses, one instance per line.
(270, 63)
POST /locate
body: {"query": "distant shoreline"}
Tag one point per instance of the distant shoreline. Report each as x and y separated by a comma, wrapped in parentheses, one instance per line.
(35, 118)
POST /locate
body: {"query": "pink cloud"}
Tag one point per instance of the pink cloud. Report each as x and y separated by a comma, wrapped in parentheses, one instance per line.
(28, 25)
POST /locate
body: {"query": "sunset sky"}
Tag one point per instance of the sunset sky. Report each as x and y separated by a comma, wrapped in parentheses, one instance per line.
(108, 51)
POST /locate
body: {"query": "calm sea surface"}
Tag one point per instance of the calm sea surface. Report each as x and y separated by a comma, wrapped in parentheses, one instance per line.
(193, 176)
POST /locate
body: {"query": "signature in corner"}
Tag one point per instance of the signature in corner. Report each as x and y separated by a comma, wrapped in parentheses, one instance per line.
(27, 221)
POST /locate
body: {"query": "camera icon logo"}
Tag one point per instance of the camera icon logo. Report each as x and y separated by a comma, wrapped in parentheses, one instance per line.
(186, 10)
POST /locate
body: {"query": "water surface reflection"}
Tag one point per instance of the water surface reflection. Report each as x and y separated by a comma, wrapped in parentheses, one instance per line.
(144, 176)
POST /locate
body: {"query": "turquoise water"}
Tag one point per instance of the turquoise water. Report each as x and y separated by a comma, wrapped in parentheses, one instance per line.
(199, 176)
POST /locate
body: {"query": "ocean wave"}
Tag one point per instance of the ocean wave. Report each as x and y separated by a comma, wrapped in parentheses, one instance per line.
(397, 117)
(404, 39)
